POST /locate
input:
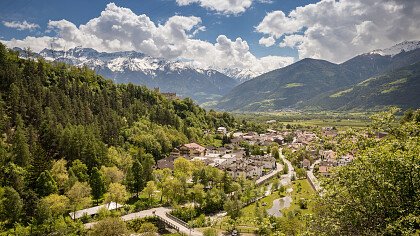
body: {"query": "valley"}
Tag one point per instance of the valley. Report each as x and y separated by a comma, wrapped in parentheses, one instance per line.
(210, 118)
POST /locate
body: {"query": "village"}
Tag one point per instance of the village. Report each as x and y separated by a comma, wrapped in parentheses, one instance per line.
(270, 160)
(237, 160)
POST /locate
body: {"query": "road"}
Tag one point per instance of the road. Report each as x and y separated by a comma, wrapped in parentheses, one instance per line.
(281, 203)
(160, 212)
(262, 179)
(291, 172)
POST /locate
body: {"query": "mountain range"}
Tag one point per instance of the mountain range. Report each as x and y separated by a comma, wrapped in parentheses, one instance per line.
(372, 80)
(202, 85)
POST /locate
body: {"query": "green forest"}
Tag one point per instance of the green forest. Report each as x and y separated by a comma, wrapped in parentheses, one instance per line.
(69, 135)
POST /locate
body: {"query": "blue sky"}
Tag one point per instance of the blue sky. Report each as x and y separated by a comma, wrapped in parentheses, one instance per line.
(273, 33)
(81, 11)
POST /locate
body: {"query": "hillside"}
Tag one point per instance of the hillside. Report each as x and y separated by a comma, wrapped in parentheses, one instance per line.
(399, 88)
(287, 87)
(68, 135)
(202, 85)
(304, 83)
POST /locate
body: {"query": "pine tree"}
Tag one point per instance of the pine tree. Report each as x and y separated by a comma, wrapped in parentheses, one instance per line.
(20, 145)
(135, 179)
(45, 184)
(97, 184)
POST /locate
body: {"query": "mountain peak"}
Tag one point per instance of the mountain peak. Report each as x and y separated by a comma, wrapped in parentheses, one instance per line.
(404, 46)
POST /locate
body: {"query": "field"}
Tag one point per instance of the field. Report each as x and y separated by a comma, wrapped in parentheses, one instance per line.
(333, 119)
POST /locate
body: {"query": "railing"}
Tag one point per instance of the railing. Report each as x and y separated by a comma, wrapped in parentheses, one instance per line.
(170, 224)
(176, 219)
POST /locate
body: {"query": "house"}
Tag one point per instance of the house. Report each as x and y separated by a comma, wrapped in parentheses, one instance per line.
(249, 171)
(267, 161)
(329, 163)
(380, 135)
(329, 155)
(221, 130)
(167, 162)
(345, 160)
(279, 140)
(254, 170)
(192, 150)
(175, 153)
(306, 164)
(324, 171)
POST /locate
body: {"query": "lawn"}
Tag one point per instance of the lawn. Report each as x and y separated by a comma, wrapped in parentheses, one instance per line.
(301, 189)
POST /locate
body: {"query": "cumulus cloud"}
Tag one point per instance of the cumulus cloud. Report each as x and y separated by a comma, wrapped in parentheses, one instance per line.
(120, 29)
(268, 42)
(20, 25)
(221, 6)
(338, 30)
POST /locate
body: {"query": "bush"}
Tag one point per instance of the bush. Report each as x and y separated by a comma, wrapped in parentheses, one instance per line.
(103, 213)
(210, 232)
(200, 222)
(184, 213)
(140, 205)
(303, 203)
(109, 227)
(148, 229)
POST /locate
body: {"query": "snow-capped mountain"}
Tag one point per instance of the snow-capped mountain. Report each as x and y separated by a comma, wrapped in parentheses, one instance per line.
(203, 85)
(240, 75)
(398, 48)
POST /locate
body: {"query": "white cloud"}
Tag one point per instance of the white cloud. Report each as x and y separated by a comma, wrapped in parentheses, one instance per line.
(20, 25)
(268, 42)
(119, 29)
(338, 30)
(221, 6)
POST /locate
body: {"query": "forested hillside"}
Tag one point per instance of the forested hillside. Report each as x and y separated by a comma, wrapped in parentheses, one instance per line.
(397, 88)
(311, 84)
(61, 125)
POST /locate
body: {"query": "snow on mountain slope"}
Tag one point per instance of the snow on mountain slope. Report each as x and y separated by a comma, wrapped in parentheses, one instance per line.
(398, 48)
(240, 75)
(203, 85)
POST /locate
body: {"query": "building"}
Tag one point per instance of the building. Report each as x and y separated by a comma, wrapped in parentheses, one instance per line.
(167, 162)
(170, 96)
(325, 171)
(192, 150)
(329, 155)
(221, 130)
(306, 164)
(345, 160)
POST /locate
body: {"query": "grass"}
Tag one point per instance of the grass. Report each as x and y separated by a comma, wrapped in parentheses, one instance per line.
(321, 119)
(339, 123)
(367, 82)
(301, 189)
(400, 81)
(293, 85)
(341, 93)
(389, 90)
(249, 211)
